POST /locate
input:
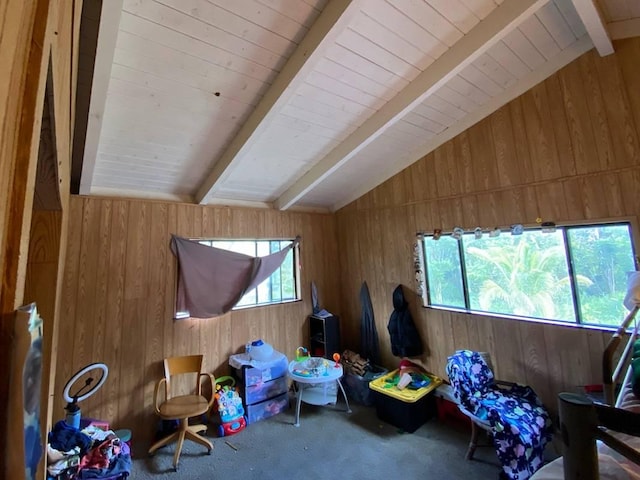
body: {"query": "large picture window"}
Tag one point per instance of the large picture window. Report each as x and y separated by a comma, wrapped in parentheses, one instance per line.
(569, 274)
(281, 286)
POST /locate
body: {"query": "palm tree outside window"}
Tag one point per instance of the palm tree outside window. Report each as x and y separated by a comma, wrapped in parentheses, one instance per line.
(574, 274)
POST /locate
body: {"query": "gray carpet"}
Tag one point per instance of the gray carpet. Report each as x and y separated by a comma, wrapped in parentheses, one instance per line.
(329, 444)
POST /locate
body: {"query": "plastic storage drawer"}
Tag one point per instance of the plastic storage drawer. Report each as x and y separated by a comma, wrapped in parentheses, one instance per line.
(253, 376)
(267, 408)
(263, 390)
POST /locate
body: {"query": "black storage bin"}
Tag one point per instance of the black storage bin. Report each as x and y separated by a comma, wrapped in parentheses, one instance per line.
(405, 416)
(407, 409)
(357, 387)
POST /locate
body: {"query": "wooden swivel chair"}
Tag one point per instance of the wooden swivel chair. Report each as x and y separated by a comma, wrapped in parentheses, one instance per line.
(182, 407)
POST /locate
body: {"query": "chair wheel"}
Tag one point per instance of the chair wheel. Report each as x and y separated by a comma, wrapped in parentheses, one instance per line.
(209, 452)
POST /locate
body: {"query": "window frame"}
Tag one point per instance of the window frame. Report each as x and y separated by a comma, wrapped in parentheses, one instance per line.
(296, 270)
(630, 222)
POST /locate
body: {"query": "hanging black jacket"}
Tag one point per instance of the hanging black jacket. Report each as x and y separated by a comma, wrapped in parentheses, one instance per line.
(405, 339)
(369, 347)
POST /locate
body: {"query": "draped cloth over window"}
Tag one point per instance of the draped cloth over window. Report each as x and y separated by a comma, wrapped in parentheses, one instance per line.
(211, 280)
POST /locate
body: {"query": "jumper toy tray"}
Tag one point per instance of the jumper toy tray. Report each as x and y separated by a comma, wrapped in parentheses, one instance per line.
(315, 369)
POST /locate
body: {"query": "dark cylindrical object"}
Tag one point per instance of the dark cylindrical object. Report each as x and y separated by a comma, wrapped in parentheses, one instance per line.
(578, 424)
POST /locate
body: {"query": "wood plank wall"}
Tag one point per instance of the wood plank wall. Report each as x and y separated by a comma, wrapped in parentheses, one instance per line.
(567, 150)
(119, 297)
(42, 277)
(19, 45)
(34, 32)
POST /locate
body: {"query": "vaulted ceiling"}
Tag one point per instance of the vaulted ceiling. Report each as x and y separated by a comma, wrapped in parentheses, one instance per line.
(307, 103)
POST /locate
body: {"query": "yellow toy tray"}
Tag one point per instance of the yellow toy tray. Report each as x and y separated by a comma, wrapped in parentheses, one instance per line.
(407, 395)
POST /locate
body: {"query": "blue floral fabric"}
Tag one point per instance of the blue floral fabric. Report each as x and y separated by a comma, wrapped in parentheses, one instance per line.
(520, 425)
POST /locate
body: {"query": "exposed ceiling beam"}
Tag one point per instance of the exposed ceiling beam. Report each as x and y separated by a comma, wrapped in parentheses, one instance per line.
(624, 28)
(563, 58)
(595, 25)
(494, 27)
(111, 192)
(336, 15)
(107, 36)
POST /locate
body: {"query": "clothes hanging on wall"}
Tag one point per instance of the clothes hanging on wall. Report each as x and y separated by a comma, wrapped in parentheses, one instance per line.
(405, 338)
(369, 346)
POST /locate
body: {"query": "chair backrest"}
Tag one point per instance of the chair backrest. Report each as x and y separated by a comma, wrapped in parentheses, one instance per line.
(182, 365)
(469, 375)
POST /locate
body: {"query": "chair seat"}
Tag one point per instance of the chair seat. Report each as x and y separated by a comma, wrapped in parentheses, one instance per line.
(184, 406)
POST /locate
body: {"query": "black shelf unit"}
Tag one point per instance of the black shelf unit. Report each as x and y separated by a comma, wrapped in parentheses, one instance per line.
(324, 336)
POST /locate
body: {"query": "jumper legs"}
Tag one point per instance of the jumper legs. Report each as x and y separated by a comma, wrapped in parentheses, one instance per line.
(346, 400)
(299, 390)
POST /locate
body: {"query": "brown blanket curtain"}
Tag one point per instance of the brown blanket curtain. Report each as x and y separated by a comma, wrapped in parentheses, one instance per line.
(211, 281)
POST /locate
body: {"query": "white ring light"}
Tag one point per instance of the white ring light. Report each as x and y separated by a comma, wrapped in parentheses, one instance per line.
(93, 366)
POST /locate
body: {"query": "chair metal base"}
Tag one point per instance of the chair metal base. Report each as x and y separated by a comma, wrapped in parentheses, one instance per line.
(184, 431)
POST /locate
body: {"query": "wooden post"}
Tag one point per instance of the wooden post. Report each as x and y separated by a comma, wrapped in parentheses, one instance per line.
(578, 424)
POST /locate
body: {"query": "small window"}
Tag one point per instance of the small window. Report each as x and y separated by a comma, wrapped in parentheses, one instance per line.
(444, 274)
(571, 274)
(281, 286)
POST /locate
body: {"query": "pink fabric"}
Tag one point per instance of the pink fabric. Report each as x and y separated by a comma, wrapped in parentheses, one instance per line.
(211, 280)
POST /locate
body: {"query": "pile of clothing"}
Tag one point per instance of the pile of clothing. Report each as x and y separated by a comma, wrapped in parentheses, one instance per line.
(88, 453)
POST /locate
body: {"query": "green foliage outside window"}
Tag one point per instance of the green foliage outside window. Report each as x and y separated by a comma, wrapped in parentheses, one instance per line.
(604, 255)
(575, 274)
(443, 272)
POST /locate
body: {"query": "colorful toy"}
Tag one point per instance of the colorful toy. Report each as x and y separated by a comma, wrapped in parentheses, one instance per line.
(311, 367)
(302, 354)
(232, 418)
(336, 358)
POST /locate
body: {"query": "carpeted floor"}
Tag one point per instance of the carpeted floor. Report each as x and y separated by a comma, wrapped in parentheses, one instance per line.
(329, 444)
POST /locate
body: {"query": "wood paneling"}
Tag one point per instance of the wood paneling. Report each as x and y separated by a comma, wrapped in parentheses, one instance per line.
(567, 150)
(119, 288)
(41, 285)
(47, 192)
(35, 35)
